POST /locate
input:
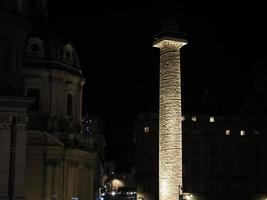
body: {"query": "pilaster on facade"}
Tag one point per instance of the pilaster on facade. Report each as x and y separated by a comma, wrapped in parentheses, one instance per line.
(13, 122)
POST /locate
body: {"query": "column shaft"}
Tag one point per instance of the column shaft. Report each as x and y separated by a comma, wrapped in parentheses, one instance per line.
(170, 123)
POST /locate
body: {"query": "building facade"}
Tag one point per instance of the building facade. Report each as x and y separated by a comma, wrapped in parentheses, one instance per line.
(44, 150)
(223, 157)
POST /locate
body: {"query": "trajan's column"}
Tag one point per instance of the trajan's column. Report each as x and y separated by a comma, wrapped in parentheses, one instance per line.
(170, 118)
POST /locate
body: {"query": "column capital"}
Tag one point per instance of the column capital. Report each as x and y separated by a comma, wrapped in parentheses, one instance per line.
(7, 117)
(169, 41)
(5, 120)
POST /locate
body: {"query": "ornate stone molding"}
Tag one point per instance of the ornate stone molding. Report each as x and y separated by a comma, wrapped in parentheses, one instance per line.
(57, 79)
(7, 117)
(5, 120)
(21, 121)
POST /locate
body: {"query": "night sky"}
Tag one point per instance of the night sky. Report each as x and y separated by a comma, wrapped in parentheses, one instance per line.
(114, 40)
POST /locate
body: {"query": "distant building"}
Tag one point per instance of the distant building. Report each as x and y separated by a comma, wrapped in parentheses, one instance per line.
(223, 157)
(117, 186)
(43, 151)
(147, 163)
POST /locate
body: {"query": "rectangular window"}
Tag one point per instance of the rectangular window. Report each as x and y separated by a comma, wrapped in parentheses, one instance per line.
(227, 132)
(242, 132)
(146, 129)
(35, 94)
(69, 104)
(194, 118)
(212, 119)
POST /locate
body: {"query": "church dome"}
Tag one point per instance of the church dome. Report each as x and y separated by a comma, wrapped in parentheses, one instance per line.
(45, 43)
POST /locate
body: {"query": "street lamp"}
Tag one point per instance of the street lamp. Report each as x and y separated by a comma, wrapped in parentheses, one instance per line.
(113, 193)
(187, 196)
(100, 194)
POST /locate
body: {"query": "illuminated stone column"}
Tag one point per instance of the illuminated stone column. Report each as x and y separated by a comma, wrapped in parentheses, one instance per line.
(170, 119)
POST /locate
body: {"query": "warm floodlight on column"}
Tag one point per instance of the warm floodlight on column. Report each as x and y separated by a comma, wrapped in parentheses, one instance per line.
(170, 117)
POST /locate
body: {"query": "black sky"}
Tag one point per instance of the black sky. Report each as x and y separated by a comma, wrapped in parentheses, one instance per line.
(114, 40)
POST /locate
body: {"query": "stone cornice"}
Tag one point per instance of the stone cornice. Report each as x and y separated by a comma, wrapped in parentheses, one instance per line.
(15, 101)
(48, 64)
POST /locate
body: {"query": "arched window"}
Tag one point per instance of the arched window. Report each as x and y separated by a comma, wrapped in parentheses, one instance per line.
(68, 54)
(35, 48)
(35, 94)
(69, 104)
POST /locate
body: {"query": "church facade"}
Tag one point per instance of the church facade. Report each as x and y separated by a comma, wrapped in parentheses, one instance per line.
(43, 152)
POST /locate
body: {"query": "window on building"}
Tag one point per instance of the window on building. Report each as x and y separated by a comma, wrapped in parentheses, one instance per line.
(256, 132)
(69, 104)
(242, 132)
(194, 118)
(213, 167)
(228, 166)
(212, 119)
(213, 148)
(229, 150)
(227, 132)
(146, 129)
(35, 94)
(35, 47)
(68, 54)
(183, 118)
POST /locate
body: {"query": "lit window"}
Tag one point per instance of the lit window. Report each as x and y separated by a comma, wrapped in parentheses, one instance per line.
(183, 118)
(194, 118)
(212, 119)
(242, 132)
(146, 129)
(227, 132)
